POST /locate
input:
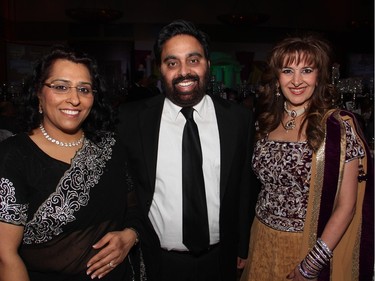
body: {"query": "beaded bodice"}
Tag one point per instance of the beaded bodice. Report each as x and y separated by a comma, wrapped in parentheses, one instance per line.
(284, 169)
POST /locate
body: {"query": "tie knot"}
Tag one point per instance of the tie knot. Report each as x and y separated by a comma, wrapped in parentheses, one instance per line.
(187, 112)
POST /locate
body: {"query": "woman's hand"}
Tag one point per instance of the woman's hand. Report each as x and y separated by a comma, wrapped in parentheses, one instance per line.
(241, 263)
(114, 247)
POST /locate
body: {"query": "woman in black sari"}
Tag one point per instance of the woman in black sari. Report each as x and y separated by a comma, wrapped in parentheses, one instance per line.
(67, 204)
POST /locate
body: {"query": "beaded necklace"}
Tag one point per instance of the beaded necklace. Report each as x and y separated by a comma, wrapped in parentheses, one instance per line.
(60, 143)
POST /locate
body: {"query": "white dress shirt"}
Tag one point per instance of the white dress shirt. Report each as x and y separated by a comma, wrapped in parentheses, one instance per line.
(166, 208)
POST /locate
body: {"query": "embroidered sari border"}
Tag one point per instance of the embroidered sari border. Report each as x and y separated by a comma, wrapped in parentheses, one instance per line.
(353, 257)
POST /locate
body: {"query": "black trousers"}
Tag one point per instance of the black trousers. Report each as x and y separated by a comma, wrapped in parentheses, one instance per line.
(183, 266)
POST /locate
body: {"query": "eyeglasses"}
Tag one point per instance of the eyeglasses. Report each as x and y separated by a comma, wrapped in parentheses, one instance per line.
(64, 88)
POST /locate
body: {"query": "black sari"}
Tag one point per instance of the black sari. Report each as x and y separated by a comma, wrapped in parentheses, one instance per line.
(64, 208)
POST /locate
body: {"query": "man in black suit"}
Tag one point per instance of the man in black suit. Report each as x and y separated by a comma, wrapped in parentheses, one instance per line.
(152, 129)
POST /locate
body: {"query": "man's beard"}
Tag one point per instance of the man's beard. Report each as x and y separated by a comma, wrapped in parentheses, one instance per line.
(196, 94)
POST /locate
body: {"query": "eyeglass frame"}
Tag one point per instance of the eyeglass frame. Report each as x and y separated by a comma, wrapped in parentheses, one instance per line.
(51, 86)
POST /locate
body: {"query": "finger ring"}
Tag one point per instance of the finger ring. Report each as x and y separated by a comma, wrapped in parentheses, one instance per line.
(111, 265)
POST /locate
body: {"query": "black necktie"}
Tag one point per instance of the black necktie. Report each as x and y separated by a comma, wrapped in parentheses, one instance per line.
(195, 218)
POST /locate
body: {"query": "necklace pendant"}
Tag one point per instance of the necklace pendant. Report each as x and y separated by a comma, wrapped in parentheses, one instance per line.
(293, 114)
(290, 125)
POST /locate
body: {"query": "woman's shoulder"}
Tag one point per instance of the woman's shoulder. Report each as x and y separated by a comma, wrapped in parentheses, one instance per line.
(104, 140)
(14, 141)
(15, 149)
(106, 137)
(346, 118)
(341, 114)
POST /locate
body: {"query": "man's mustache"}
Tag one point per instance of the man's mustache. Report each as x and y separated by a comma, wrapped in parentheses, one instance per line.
(186, 77)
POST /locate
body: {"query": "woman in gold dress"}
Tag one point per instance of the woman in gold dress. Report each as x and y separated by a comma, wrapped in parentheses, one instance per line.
(313, 214)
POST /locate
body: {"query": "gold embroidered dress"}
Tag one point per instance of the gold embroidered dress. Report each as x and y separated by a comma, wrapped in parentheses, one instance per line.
(279, 236)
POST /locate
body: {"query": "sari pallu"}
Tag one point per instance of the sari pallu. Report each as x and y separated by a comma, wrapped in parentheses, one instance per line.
(353, 258)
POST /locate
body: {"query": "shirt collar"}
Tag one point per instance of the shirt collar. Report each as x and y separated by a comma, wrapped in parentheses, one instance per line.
(174, 110)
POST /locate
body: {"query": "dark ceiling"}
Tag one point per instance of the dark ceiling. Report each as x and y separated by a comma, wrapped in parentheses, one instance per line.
(351, 18)
(322, 14)
(348, 24)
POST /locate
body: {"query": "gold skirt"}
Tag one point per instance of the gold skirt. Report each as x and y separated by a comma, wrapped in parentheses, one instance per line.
(273, 254)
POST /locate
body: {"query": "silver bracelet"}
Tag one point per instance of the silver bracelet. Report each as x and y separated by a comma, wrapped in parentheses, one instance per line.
(306, 274)
(311, 270)
(325, 248)
(311, 259)
(137, 234)
(321, 254)
(315, 260)
(317, 257)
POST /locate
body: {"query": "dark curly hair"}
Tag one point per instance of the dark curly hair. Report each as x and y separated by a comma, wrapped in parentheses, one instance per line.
(180, 27)
(314, 50)
(101, 117)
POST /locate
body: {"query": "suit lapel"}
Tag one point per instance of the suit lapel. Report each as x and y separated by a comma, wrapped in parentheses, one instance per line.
(150, 118)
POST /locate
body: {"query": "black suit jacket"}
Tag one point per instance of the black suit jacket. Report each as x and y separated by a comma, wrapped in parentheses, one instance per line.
(139, 132)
